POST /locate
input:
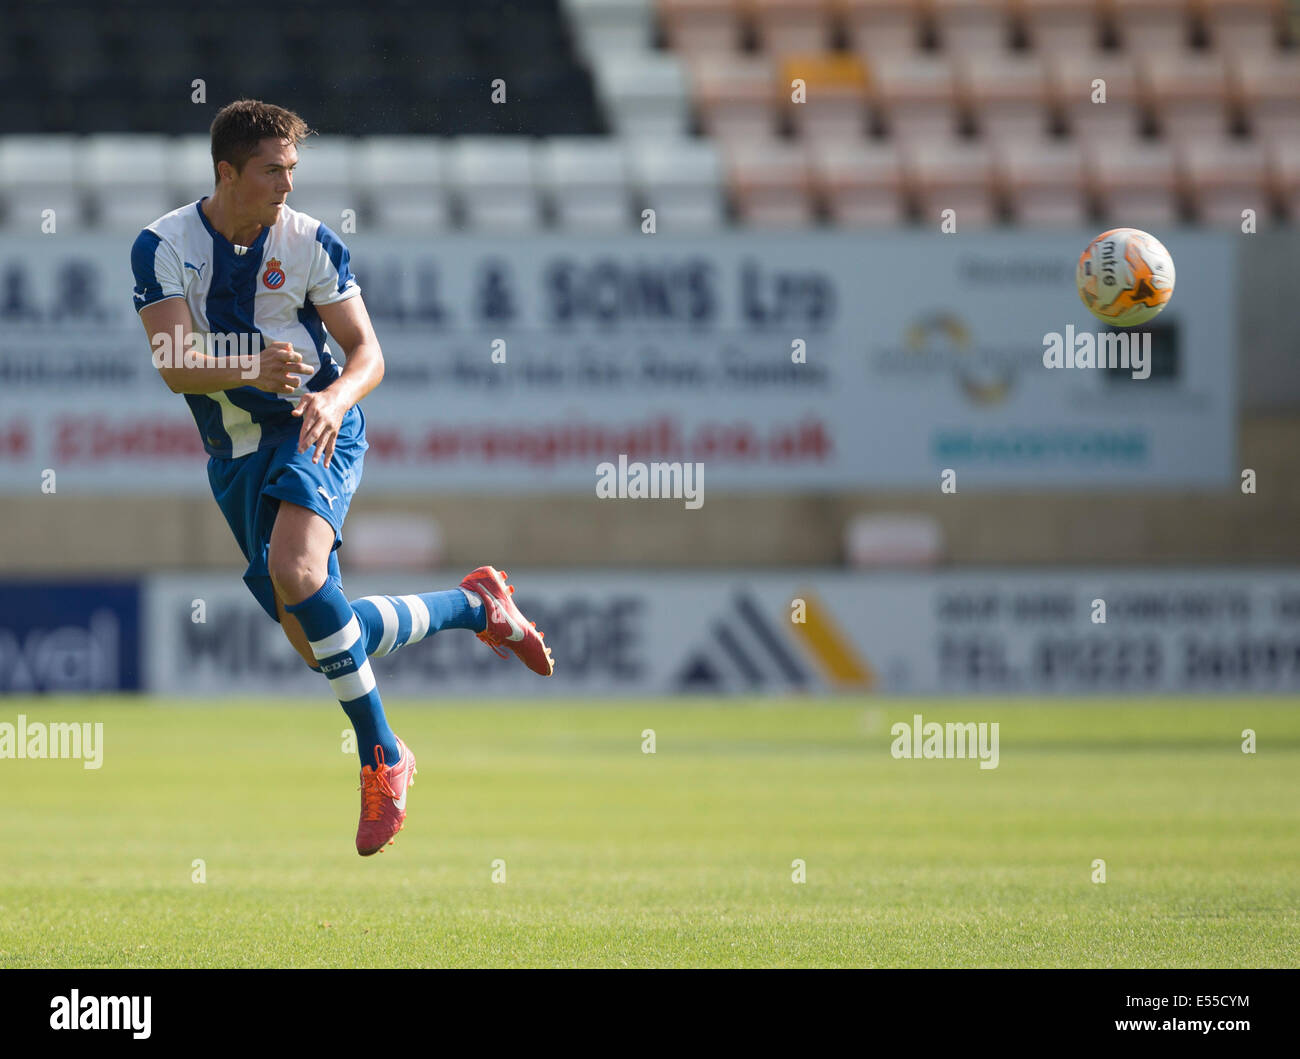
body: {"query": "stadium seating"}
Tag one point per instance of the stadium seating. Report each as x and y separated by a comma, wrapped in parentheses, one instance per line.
(1009, 96)
(861, 183)
(1138, 184)
(1055, 28)
(771, 182)
(494, 177)
(1268, 87)
(735, 95)
(406, 180)
(681, 181)
(1225, 177)
(40, 173)
(586, 181)
(1284, 171)
(957, 176)
(1098, 97)
(1045, 183)
(777, 112)
(832, 102)
(876, 28)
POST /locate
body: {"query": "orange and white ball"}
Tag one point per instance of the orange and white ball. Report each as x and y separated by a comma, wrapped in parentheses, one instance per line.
(1125, 277)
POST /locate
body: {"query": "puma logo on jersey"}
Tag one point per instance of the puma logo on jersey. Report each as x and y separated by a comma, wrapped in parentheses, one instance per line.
(197, 268)
(329, 499)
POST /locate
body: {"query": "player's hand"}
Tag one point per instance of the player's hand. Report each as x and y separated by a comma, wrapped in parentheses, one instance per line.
(322, 414)
(280, 368)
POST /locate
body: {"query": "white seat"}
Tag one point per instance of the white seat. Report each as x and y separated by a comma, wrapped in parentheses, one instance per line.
(189, 169)
(328, 160)
(323, 183)
(126, 179)
(586, 180)
(681, 180)
(645, 94)
(115, 159)
(601, 26)
(495, 179)
(404, 182)
(129, 208)
(39, 173)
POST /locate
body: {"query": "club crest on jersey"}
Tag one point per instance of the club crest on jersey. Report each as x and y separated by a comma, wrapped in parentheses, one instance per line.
(273, 277)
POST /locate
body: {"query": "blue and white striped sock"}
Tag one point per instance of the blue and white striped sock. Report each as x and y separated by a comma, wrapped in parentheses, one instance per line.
(339, 644)
(390, 622)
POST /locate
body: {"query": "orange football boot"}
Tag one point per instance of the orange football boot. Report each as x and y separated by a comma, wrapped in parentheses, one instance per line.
(507, 628)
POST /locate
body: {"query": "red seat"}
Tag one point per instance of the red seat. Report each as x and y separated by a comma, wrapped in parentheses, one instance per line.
(1146, 27)
(701, 26)
(1136, 185)
(735, 95)
(1188, 93)
(953, 175)
(1060, 27)
(834, 105)
(882, 27)
(1079, 78)
(1268, 88)
(1045, 183)
(916, 95)
(1224, 177)
(770, 183)
(786, 27)
(968, 27)
(1284, 175)
(861, 183)
(1010, 96)
(1242, 28)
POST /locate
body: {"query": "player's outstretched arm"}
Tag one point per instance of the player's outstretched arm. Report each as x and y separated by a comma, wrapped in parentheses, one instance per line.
(278, 368)
(322, 412)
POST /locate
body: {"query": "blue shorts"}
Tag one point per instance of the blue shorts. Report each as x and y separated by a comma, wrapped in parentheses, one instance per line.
(249, 490)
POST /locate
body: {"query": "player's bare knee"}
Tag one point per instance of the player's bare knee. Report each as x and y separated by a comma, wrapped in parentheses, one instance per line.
(295, 578)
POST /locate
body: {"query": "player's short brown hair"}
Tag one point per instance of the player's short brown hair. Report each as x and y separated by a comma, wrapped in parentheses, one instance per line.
(240, 126)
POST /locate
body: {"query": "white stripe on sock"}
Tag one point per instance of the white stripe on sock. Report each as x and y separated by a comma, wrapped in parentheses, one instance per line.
(419, 618)
(388, 613)
(354, 685)
(343, 640)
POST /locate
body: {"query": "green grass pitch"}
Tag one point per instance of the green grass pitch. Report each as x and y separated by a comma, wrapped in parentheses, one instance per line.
(619, 858)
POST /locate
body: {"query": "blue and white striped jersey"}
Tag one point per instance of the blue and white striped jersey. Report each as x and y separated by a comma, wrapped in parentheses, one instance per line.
(269, 290)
